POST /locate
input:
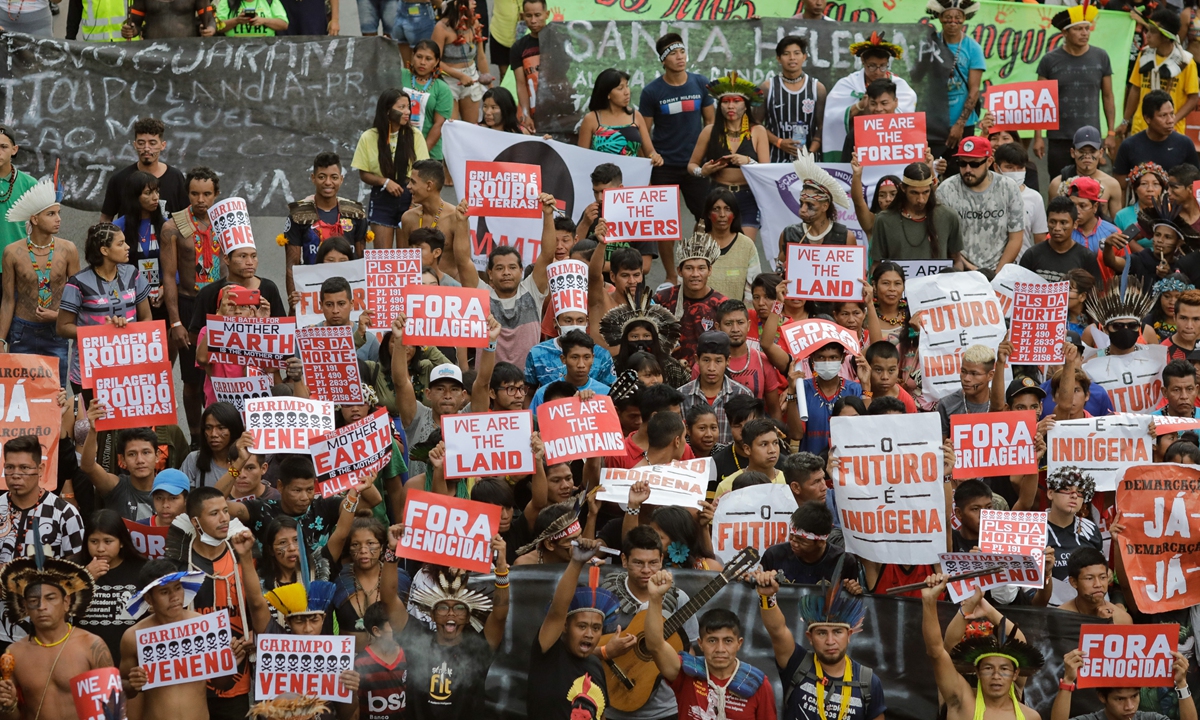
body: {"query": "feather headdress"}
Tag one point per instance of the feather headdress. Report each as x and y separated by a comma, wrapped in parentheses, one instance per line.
(1083, 14)
(297, 599)
(564, 525)
(735, 84)
(816, 180)
(1166, 213)
(639, 308)
(700, 246)
(289, 707)
(1118, 300)
(450, 585)
(1069, 476)
(969, 653)
(967, 7)
(39, 198)
(833, 607)
(73, 579)
(876, 41)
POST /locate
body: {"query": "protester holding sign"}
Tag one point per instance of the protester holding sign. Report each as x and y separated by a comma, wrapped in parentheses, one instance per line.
(1118, 701)
(114, 563)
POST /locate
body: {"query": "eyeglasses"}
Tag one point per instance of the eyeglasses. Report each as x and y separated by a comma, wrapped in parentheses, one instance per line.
(1124, 326)
(1070, 493)
(25, 470)
(513, 390)
(458, 608)
(875, 67)
(973, 163)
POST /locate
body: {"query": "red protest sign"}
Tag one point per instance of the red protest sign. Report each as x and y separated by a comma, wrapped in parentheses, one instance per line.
(504, 189)
(1127, 655)
(826, 272)
(103, 346)
(642, 213)
(448, 531)
(142, 396)
(804, 336)
(1158, 502)
(1012, 531)
(96, 690)
(994, 444)
(389, 271)
(572, 429)
(284, 425)
(1023, 105)
(29, 406)
(1039, 323)
(488, 443)
(261, 342)
(445, 316)
(1164, 424)
(330, 364)
(890, 139)
(150, 540)
(351, 455)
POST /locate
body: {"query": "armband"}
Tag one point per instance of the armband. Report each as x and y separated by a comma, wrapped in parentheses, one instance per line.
(766, 602)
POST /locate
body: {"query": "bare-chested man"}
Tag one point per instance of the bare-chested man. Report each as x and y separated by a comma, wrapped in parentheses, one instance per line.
(34, 273)
(625, 272)
(158, 19)
(191, 253)
(164, 595)
(51, 593)
(429, 210)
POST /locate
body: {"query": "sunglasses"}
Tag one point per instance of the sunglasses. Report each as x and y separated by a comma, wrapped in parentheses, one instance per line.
(973, 163)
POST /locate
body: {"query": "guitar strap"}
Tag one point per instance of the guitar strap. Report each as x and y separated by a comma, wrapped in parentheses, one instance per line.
(630, 605)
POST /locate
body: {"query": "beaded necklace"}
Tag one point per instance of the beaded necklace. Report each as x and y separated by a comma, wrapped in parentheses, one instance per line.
(43, 273)
(12, 176)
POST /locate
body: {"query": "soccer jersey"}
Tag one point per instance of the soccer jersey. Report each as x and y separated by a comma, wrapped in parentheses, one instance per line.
(381, 686)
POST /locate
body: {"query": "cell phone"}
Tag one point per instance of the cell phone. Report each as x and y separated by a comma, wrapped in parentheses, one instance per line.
(250, 12)
(245, 297)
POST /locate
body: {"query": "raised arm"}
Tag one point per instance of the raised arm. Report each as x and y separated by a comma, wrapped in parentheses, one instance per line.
(783, 643)
(953, 687)
(397, 613)
(538, 486)
(468, 276)
(493, 629)
(257, 608)
(485, 364)
(1066, 383)
(103, 480)
(406, 396)
(665, 658)
(556, 616)
(546, 256)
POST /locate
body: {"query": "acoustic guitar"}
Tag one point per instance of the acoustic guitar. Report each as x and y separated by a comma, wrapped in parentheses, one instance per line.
(632, 676)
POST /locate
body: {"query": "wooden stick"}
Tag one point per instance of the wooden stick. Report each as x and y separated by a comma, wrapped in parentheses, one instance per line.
(963, 576)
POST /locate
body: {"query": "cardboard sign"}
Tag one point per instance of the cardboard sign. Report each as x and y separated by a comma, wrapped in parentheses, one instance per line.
(887, 479)
(141, 396)
(389, 271)
(261, 342)
(96, 689)
(231, 224)
(572, 429)
(1101, 446)
(104, 346)
(1134, 381)
(994, 444)
(449, 531)
(1015, 569)
(1158, 505)
(1005, 283)
(757, 516)
(893, 139)
(330, 364)
(681, 483)
(957, 310)
(29, 406)
(308, 279)
(1164, 424)
(447, 316)
(1012, 531)
(642, 213)
(568, 286)
(1039, 323)
(150, 540)
(349, 456)
(504, 189)
(186, 651)
(309, 665)
(803, 337)
(924, 268)
(1023, 105)
(487, 444)
(285, 425)
(1127, 655)
(826, 272)
(236, 391)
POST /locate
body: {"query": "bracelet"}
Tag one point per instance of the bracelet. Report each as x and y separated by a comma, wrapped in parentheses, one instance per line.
(777, 308)
(501, 585)
(604, 652)
(349, 506)
(491, 347)
(176, 324)
(389, 556)
(766, 602)
(633, 510)
(67, 496)
(385, 184)
(698, 172)
(1068, 686)
(1184, 692)
(497, 573)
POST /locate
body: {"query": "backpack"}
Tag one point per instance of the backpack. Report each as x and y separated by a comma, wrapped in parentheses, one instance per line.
(806, 670)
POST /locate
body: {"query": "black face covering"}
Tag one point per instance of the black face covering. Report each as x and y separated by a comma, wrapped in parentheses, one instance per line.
(641, 346)
(1124, 338)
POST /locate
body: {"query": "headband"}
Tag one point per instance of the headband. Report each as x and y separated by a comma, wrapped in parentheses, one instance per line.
(568, 532)
(807, 535)
(886, 183)
(917, 183)
(1006, 656)
(662, 56)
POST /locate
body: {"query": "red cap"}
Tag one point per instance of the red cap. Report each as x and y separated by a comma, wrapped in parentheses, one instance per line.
(974, 147)
(1086, 188)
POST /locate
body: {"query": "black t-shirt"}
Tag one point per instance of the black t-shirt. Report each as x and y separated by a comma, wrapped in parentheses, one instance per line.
(172, 188)
(106, 616)
(526, 54)
(1190, 265)
(317, 523)
(445, 682)
(206, 302)
(568, 687)
(1175, 150)
(1053, 266)
(781, 557)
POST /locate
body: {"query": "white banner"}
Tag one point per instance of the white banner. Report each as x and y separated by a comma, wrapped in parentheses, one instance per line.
(237, 391)
(682, 483)
(958, 310)
(308, 279)
(488, 443)
(1134, 381)
(758, 516)
(1101, 446)
(186, 651)
(1020, 570)
(887, 480)
(286, 424)
(566, 171)
(305, 665)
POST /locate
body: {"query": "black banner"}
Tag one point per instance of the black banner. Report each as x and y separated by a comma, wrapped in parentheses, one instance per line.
(890, 643)
(256, 110)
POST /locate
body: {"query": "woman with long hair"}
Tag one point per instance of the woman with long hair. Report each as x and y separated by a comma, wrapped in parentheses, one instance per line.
(916, 226)
(361, 579)
(141, 217)
(112, 560)
(885, 192)
(703, 430)
(433, 103)
(614, 126)
(649, 371)
(733, 141)
(500, 112)
(739, 255)
(1160, 323)
(686, 544)
(1145, 185)
(222, 427)
(887, 279)
(642, 336)
(459, 36)
(384, 157)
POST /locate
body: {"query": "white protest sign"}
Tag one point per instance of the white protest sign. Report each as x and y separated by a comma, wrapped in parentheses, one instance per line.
(887, 480)
(186, 651)
(488, 443)
(642, 213)
(309, 665)
(263, 342)
(237, 391)
(1012, 531)
(757, 516)
(1100, 446)
(826, 272)
(1039, 323)
(957, 310)
(1020, 570)
(924, 268)
(231, 224)
(308, 279)
(683, 483)
(389, 271)
(1005, 281)
(284, 425)
(1134, 381)
(568, 286)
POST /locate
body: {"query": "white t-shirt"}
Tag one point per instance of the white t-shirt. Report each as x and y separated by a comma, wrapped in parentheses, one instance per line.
(1035, 218)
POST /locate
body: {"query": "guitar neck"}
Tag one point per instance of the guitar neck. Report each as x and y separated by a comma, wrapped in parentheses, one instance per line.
(693, 605)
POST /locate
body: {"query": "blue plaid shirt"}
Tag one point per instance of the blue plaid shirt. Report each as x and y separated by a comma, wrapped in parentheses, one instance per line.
(544, 365)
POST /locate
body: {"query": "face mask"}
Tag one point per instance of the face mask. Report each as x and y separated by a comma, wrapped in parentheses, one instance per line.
(564, 329)
(827, 370)
(641, 346)
(1017, 176)
(209, 539)
(395, 116)
(1124, 338)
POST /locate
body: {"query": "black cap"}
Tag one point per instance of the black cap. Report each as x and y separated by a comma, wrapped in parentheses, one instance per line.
(1194, 356)
(1022, 384)
(713, 342)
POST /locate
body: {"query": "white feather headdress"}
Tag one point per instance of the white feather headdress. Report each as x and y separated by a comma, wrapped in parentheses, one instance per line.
(39, 198)
(814, 176)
